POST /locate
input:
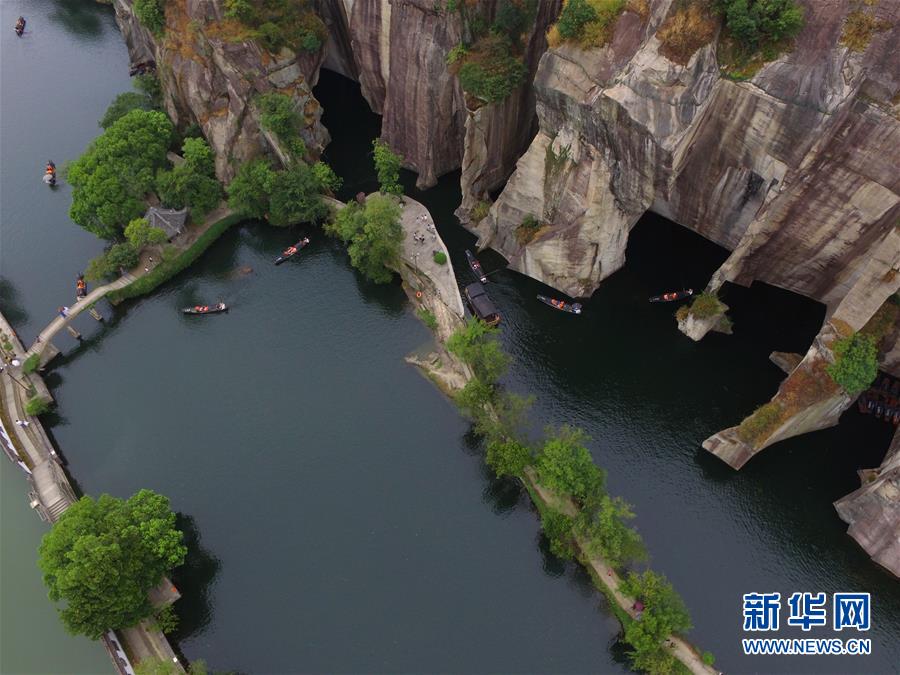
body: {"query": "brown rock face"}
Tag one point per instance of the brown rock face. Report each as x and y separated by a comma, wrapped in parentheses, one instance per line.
(210, 80)
(788, 169)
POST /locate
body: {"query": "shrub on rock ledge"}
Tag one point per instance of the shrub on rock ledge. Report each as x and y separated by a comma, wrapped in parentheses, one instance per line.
(856, 364)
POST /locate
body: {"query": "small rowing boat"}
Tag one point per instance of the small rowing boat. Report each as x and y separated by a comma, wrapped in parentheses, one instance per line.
(561, 305)
(206, 309)
(673, 296)
(291, 251)
(476, 267)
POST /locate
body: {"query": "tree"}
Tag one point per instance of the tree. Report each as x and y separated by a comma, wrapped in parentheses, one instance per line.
(557, 529)
(36, 406)
(347, 223)
(754, 23)
(191, 183)
(507, 456)
(248, 192)
(151, 13)
(575, 14)
(664, 613)
(294, 197)
(123, 104)
(279, 115)
(104, 555)
(566, 466)
(112, 177)
(376, 248)
(140, 233)
(122, 256)
(387, 166)
(329, 181)
(856, 363)
(603, 525)
(476, 343)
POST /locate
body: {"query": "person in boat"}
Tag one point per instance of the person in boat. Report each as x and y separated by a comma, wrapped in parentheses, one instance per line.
(305, 241)
(290, 250)
(20, 26)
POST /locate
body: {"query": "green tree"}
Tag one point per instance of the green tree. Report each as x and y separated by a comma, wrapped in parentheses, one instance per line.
(664, 614)
(347, 223)
(477, 344)
(103, 556)
(152, 14)
(279, 115)
(376, 248)
(856, 363)
(192, 183)
(575, 15)
(566, 466)
(139, 233)
(474, 399)
(123, 104)
(248, 192)
(602, 523)
(557, 529)
(329, 182)
(36, 406)
(294, 197)
(112, 177)
(387, 166)
(507, 456)
(149, 85)
(755, 23)
(122, 256)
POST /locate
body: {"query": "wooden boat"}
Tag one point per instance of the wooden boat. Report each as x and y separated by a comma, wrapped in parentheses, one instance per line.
(206, 309)
(561, 305)
(480, 304)
(673, 296)
(476, 266)
(291, 251)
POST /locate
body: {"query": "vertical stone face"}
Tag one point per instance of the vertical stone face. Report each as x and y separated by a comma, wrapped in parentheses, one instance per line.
(212, 81)
(786, 169)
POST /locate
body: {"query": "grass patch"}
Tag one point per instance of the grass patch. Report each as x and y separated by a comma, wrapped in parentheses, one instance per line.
(427, 317)
(169, 268)
(489, 71)
(587, 23)
(706, 306)
(31, 364)
(859, 29)
(527, 230)
(686, 31)
(480, 211)
(761, 424)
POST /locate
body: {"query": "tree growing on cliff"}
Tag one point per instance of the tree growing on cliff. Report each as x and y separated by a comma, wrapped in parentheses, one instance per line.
(123, 104)
(387, 166)
(294, 197)
(111, 179)
(279, 116)
(152, 14)
(248, 192)
(856, 363)
(758, 23)
(104, 555)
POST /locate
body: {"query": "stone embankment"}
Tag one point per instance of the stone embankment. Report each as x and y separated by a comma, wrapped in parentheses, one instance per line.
(51, 493)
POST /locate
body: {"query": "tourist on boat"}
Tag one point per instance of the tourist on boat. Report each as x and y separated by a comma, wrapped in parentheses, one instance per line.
(51, 167)
(290, 250)
(20, 26)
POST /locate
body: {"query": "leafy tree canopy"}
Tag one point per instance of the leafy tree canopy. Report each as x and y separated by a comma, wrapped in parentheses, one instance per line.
(103, 556)
(757, 22)
(123, 104)
(476, 343)
(248, 192)
(112, 177)
(387, 166)
(294, 197)
(376, 247)
(566, 466)
(140, 233)
(856, 364)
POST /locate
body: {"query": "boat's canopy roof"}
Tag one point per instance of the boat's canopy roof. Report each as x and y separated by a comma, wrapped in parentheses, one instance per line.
(480, 301)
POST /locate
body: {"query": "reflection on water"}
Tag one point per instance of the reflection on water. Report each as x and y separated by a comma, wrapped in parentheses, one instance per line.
(82, 20)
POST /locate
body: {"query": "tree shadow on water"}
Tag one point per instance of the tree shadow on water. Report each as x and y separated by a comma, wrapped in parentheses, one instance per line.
(10, 304)
(83, 19)
(193, 579)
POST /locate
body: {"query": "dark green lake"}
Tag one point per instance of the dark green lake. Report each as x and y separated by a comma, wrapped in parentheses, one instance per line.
(340, 515)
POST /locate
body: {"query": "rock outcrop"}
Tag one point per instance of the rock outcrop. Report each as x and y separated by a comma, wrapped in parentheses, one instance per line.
(788, 169)
(212, 78)
(873, 511)
(397, 50)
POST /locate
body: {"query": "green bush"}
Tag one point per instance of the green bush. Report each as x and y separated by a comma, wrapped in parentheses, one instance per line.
(123, 104)
(491, 72)
(856, 363)
(575, 15)
(761, 424)
(507, 456)
(295, 197)
(329, 182)
(565, 465)
(149, 85)
(664, 614)
(36, 406)
(31, 363)
(440, 257)
(191, 183)
(480, 211)
(427, 317)
(373, 234)
(557, 529)
(603, 525)
(477, 344)
(280, 23)
(708, 658)
(278, 115)
(706, 305)
(248, 192)
(151, 14)
(456, 53)
(758, 23)
(112, 178)
(139, 233)
(387, 166)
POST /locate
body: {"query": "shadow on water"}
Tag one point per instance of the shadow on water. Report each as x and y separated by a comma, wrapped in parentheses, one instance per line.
(82, 19)
(10, 304)
(194, 579)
